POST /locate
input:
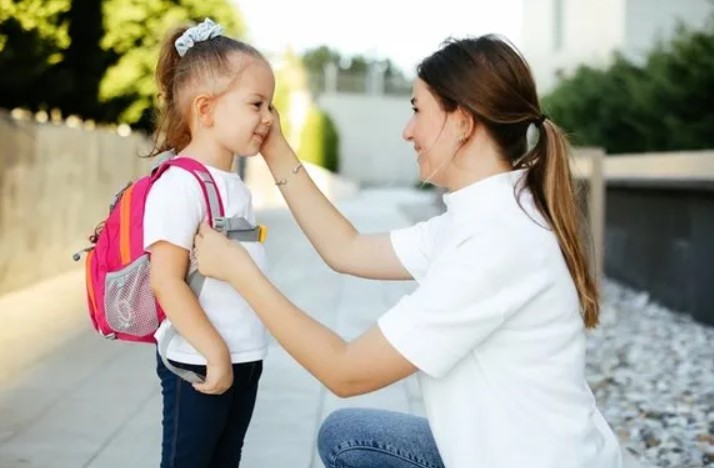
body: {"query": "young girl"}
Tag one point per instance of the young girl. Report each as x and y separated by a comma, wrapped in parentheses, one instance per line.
(216, 92)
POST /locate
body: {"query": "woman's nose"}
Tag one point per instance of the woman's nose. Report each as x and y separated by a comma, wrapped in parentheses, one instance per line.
(407, 133)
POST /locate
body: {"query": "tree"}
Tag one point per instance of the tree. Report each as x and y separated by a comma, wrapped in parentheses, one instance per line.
(664, 105)
(135, 30)
(33, 37)
(95, 58)
(77, 77)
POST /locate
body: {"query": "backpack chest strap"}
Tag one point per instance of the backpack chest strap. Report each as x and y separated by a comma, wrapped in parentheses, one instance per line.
(239, 229)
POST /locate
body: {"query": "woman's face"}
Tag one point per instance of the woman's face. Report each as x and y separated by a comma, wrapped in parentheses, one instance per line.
(432, 132)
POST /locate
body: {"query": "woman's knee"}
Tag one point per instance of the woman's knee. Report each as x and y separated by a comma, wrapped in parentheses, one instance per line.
(368, 437)
(341, 429)
(333, 431)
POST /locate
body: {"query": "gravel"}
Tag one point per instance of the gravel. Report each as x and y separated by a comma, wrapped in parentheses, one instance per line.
(652, 372)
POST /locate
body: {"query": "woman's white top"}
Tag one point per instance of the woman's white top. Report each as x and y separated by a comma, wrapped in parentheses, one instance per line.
(496, 333)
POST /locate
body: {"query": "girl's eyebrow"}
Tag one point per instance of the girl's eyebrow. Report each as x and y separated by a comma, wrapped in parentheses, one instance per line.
(260, 96)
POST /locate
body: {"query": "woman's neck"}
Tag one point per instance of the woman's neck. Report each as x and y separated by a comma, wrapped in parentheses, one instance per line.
(474, 166)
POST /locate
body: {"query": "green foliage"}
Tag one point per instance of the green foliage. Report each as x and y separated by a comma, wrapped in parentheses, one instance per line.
(95, 58)
(33, 37)
(316, 59)
(135, 30)
(664, 105)
(289, 79)
(319, 141)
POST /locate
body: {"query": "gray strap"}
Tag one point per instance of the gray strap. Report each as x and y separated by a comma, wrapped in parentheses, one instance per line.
(238, 229)
(252, 235)
(195, 281)
(161, 158)
(212, 192)
(187, 375)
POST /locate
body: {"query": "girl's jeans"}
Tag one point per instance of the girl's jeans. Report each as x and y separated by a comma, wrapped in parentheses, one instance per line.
(206, 431)
(363, 438)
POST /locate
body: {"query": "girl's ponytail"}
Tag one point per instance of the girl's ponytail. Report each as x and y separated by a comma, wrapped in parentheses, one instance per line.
(172, 132)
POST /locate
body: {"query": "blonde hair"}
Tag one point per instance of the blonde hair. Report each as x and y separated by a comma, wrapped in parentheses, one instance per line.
(203, 63)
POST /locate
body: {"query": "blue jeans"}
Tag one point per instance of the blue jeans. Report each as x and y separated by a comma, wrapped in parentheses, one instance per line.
(364, 438)
(206, 431)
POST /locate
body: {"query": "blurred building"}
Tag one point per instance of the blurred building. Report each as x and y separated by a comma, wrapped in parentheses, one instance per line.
(559, 35)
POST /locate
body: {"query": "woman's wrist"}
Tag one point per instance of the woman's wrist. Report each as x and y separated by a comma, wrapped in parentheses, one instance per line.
(277, 152)
(242, 271)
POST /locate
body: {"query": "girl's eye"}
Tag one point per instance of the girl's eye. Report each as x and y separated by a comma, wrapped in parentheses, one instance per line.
(414, 109)
(258, 105)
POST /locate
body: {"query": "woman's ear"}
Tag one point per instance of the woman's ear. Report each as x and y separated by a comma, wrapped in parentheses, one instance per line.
(203, 109)
(466, 123)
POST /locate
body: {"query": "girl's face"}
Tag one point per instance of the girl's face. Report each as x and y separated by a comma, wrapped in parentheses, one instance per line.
(241, 116)
(433, 133)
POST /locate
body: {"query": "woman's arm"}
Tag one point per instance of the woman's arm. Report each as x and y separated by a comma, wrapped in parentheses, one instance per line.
(364, 365)
(169, 264)
(339, 244)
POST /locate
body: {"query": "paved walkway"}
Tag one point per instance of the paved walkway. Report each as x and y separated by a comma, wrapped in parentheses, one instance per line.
(68, 399)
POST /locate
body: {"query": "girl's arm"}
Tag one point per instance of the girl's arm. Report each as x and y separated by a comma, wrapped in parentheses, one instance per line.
(364, 365)
(339, 244)
(169, 264)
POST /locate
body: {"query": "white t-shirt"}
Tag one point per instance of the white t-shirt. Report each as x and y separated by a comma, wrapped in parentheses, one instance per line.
(495, 330)
(174, 209)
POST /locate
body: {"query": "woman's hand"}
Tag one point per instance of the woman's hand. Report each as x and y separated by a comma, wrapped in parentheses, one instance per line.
(219, 257)
(274, 142)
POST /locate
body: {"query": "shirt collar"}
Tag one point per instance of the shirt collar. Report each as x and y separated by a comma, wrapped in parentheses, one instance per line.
(483, 194)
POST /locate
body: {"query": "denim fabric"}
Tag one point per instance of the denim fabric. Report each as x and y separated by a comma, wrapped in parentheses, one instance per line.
(364, 438)
(206, 431)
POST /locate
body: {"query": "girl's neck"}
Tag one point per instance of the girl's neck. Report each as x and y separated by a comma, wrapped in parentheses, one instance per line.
(211, 156)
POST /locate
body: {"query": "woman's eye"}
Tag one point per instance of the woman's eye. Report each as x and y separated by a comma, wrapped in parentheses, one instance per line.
(414, 109)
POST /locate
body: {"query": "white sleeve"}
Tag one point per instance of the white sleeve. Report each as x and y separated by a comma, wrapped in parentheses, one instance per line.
(467, 294)
(414, 245)
(174, 209)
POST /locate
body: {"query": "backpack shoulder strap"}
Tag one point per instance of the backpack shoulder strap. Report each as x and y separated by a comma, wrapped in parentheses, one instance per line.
(209, 189)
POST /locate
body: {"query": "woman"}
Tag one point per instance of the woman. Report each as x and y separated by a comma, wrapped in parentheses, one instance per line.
(496, 328)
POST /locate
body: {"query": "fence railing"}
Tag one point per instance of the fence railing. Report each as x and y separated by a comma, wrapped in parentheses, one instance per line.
(374, 81)
(651, 223)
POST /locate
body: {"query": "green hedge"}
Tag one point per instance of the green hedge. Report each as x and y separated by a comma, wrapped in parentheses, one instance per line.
(665, 104)
(319, 141)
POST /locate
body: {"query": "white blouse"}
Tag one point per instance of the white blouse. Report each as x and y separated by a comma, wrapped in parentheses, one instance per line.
(496, 332)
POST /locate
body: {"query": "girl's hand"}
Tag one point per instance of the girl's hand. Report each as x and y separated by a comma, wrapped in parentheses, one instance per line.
(274, 142)
(219, 378)
(219, 257)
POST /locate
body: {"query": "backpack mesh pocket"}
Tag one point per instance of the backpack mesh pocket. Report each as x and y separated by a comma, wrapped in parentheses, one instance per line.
(129, 304)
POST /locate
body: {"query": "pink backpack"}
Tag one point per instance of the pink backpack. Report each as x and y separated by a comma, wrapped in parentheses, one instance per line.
(121, 303)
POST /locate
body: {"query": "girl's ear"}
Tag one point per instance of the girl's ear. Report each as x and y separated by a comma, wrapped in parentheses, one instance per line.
(203, 109)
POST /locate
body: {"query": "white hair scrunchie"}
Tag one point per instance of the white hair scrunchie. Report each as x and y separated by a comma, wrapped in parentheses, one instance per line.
(201, 32)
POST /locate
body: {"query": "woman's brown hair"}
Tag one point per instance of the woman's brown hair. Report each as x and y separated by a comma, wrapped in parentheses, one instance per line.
(490, 80)
(203, 62)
